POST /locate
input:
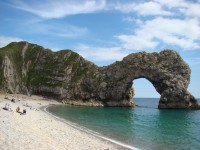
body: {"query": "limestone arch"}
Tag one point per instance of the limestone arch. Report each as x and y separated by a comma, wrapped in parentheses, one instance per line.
(166, 70)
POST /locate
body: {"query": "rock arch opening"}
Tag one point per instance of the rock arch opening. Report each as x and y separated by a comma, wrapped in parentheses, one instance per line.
(145, 94)
(144, 89)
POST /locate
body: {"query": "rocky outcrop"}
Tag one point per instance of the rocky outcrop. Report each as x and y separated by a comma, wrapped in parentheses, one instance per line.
(166, 70)
(67, 76)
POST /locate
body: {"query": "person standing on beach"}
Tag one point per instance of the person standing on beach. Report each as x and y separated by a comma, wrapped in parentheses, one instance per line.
(18, 109)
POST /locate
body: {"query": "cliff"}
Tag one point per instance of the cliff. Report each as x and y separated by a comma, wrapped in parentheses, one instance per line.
(68, 77)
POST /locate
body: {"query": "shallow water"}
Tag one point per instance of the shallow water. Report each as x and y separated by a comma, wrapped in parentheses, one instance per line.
(143, 127)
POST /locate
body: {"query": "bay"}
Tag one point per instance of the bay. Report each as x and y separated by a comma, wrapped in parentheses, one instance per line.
(143, 127)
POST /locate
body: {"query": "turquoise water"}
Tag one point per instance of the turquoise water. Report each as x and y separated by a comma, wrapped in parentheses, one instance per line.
(140, 127)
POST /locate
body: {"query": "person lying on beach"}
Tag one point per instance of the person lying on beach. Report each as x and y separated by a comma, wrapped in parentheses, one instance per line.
(24, 112)
(6, 107)
(18, 109)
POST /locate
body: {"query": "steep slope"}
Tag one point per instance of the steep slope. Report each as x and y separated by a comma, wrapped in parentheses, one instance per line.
(26, 66)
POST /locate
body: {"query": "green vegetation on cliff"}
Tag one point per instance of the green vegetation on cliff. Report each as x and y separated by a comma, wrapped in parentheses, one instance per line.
(67, 76)
(34, 67)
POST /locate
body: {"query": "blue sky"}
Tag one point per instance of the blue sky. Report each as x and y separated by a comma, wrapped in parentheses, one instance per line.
(104, 31)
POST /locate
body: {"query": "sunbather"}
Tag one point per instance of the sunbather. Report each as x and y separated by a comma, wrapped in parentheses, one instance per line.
(24, 112)
(6, 106)
(9, 108)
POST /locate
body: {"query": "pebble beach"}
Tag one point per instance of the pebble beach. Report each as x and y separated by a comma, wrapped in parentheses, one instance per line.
(39, 130)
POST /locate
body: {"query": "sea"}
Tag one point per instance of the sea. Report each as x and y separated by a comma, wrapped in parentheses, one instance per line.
(142, 127)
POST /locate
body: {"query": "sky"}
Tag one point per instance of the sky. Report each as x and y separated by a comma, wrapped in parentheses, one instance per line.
(105, 31)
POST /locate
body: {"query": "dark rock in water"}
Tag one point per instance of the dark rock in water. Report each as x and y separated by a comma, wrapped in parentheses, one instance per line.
(68, 77)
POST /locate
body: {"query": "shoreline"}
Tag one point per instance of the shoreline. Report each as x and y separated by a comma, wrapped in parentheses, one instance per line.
(39, 129)
(88, 131)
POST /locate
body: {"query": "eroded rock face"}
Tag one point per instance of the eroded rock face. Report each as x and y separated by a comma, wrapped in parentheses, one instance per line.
(67, 76)
(166, 70)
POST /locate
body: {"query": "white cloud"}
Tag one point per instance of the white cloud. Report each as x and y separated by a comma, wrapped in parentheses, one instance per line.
(130, 19)
(182, 33)
(137, 42)
(4, 40)
(145, 9)
(178, 26)
(193, 10)
(173, 3)
(101, 53)
(181, 8)
(60, 8)
(186, 8)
